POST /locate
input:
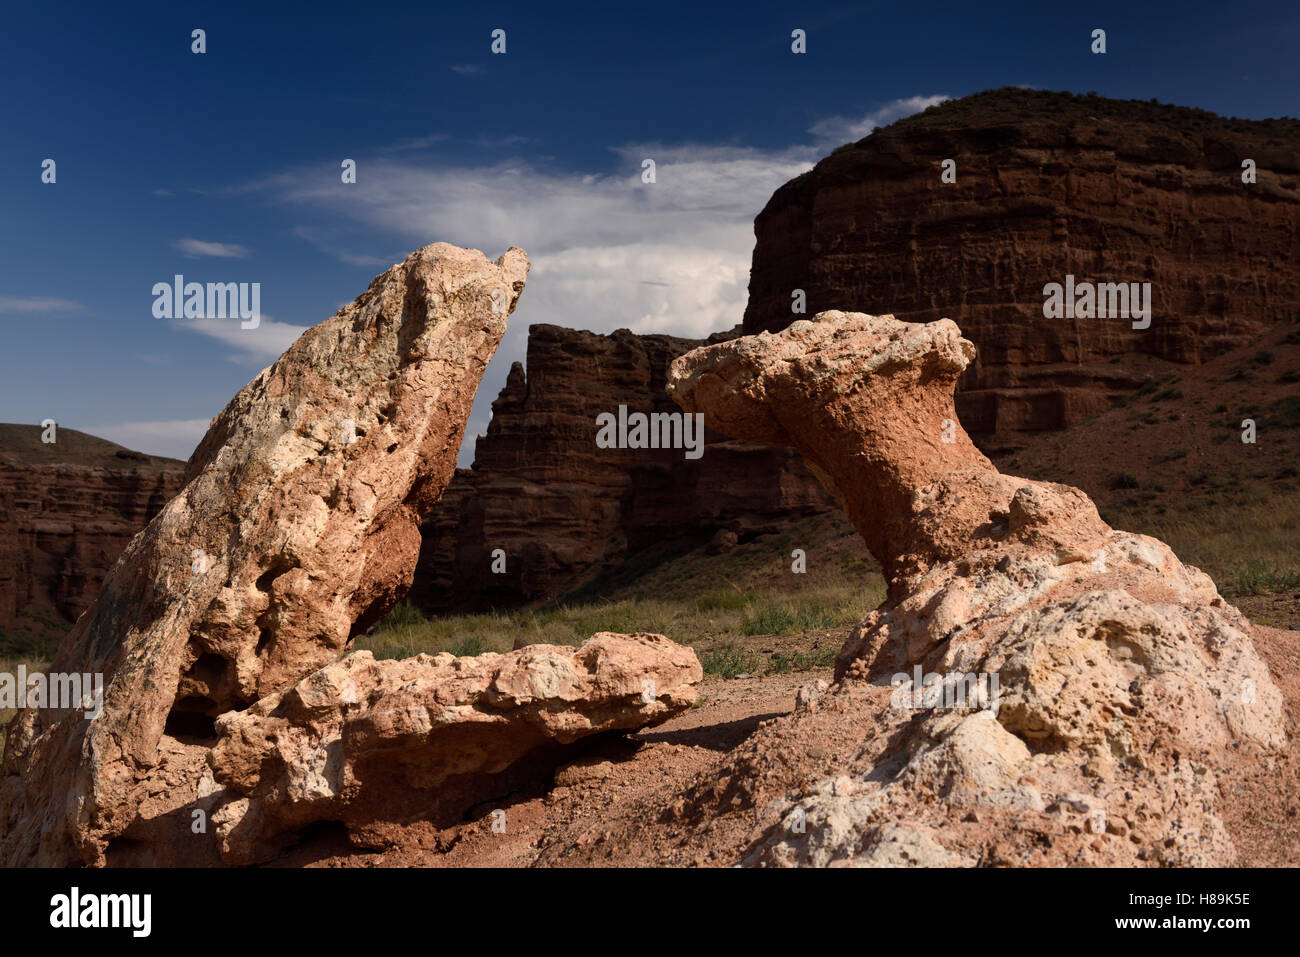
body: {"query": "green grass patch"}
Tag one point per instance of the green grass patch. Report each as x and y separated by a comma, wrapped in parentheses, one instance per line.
(728, 662)
(1262, 577)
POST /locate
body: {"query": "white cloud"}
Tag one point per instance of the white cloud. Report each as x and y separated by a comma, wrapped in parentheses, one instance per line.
(175, 438)
(837, 130)
(197, 247)
(608, 250)
(38, 304)
(261, 345)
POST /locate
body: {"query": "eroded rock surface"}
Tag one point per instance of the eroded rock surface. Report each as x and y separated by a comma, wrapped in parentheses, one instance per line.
(1047, 185)
(297, 528)
(1123, 678)
(365, 741)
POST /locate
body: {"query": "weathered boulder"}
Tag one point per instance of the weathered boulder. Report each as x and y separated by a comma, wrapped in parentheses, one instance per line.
(297, 528)
(365, 741)
(1123, 679)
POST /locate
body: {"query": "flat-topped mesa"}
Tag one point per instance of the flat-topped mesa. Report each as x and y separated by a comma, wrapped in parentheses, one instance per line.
(298, 528)
(868, 402)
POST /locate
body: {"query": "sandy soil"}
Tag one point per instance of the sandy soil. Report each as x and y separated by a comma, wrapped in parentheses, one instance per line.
(688, 793)
(651, 768)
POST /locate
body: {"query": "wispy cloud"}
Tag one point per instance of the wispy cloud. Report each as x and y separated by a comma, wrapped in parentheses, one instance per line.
(838, 130)
(468, 69)
(608, 250)
(262, 345)
(38, 304)
(331, 240)
(198, 247)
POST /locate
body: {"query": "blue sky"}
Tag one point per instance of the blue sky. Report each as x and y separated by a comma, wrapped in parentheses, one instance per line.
(225, 166)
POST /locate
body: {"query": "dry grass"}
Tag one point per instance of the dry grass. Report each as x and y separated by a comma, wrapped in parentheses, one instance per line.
(728, 606)
(1249, 543)
(745, 612)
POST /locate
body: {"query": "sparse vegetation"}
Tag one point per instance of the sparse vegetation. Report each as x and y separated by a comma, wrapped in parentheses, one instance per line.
(1245, 537)
(731, 608)
(1284, 413)
(1262, 577)
(728, 662)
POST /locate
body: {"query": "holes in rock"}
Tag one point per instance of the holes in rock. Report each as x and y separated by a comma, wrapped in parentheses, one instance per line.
(264, 639)
(392, 448)
(208, 670)
(188, 720)
(208, 687)
(275, 568)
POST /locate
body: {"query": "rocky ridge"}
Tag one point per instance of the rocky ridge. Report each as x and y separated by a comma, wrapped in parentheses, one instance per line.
(67, 509)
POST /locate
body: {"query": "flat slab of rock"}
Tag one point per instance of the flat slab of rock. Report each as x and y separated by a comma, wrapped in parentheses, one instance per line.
(297, 528)
(365, 741)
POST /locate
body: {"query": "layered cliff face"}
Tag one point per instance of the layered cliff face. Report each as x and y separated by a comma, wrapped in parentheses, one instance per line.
(562, 509)
(1047, 185)
(67, 509)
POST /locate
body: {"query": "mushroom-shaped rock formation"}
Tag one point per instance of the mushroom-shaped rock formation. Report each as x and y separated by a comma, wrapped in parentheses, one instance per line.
(868, 402)
(1122, 677)
(297, 528)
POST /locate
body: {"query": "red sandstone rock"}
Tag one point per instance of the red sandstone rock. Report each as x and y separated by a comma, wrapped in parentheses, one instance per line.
(67, 509)
(298, 527)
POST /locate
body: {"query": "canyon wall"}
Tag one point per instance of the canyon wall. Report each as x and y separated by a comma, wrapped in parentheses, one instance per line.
(563, 510)
(1046, 184)
(67, 509)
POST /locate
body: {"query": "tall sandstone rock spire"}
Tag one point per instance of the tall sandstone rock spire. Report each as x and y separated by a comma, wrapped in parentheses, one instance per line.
(298, 526)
